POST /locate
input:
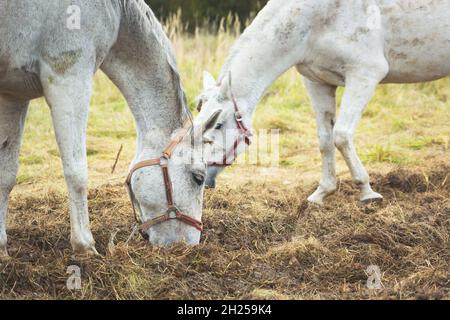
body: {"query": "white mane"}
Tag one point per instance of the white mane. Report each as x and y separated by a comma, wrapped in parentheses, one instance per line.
(138, 9)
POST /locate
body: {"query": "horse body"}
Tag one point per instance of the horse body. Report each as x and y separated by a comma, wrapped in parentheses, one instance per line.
(417, 41)
(413, 39)
(45, 44)
(19, 68)
(354, 44)
(45, 57)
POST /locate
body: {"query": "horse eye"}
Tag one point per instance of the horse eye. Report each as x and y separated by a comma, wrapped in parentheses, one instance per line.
(198, 179)
(219, 126)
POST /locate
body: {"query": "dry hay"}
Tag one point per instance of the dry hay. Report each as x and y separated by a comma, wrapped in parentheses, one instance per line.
(261, 242)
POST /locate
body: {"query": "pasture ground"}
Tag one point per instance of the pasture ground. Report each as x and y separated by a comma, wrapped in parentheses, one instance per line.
(262, 239)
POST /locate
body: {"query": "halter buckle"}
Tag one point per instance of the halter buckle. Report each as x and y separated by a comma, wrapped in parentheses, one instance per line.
(238, 116)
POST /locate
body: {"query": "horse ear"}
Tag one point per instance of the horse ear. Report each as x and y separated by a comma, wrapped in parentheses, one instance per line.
(208, 80)
(225, 86)
(211, 122)
(202, 127)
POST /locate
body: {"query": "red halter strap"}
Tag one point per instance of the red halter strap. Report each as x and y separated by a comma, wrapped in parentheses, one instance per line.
(172, 212)
(245, 136)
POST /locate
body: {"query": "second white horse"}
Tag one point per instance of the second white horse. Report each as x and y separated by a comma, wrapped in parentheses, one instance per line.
(354, 44)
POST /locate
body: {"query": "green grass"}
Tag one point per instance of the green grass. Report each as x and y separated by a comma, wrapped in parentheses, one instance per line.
(384, 154)
(420, 143)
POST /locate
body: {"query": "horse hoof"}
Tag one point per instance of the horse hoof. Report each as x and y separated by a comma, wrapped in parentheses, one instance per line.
(316, 200)
(85, 250)
(373, 197)
(91, 252)
(86, 255)
(321, 194)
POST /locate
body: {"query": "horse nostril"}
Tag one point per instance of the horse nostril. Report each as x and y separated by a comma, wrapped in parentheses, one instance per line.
(144, 235)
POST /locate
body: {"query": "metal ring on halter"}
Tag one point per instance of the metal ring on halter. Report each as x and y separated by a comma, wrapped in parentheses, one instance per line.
(172, 214)
(164, 160)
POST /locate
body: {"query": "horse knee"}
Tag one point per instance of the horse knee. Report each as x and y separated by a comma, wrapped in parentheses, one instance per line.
(7, 182)
(325, 143)
(342, 138)
(76, 179)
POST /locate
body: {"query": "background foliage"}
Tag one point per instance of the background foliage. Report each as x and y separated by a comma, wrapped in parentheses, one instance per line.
(197, 12)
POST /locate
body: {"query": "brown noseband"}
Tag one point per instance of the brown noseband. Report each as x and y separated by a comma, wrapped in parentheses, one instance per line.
(172, 212)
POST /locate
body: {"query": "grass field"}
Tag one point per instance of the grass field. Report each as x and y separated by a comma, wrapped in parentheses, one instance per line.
(262, 239)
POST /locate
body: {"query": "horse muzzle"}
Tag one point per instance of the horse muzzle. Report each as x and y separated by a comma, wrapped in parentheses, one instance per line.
(211, 176)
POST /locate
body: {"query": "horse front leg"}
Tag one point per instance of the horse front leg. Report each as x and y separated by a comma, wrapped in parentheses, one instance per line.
(323, 98)
(12, 120)
(359, 90)
(69, 100)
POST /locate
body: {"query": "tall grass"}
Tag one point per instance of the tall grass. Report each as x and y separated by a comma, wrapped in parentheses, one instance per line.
(404, 124)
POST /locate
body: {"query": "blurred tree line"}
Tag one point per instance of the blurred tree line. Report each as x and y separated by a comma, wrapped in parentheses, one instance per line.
(200, 12)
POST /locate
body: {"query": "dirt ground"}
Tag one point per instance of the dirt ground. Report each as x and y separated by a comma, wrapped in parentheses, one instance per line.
(262, 241)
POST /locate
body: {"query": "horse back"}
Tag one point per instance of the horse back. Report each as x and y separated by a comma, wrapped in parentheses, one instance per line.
(37, 35)
(417, 40)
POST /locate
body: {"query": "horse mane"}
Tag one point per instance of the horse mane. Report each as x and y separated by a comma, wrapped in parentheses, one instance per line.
(138, 9)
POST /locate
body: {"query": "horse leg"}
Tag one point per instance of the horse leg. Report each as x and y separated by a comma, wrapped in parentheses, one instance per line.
(323, 98)
(359, 90)
(12, 120)
(69, 100)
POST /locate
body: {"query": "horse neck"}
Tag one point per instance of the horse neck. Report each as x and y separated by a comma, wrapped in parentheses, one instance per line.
(142, 66)
(257, 60)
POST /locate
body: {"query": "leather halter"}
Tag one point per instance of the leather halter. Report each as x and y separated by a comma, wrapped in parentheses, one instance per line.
(245, 136)
(172, 212)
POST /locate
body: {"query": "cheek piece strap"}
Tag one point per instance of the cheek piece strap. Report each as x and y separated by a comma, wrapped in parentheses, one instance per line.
(245, 136)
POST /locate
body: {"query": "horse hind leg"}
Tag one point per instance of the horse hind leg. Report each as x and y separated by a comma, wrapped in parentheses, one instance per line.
(323, 98)
(12, 120)
(358, 92)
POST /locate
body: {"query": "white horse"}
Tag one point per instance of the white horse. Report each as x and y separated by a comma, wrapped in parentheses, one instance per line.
(354, 44)
(44, 53)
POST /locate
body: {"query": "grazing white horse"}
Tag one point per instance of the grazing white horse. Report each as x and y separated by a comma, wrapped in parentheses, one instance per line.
(353, 44)
(43, 52)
